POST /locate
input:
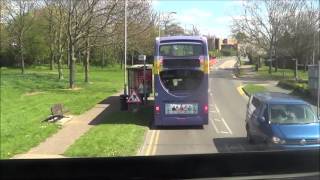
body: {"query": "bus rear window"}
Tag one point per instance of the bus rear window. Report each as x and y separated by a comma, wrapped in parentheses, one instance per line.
(181, 79)
(185, 50)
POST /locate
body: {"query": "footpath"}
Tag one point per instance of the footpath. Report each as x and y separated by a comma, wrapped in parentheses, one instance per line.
(57, 144)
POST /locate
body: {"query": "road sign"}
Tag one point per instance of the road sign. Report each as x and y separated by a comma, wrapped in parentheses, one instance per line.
(142, 57)
(134, 98)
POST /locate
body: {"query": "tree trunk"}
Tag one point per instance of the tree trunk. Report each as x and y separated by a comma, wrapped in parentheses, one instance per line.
(22, 61)
(68, 54)
(121, 61)
(60, 73)
(86, 61)
(21, 56)
(270, 58)
(79, 57)
(276, 59)
(51, 56)
(72, 64)
(60, 52)
(296, 70)
(270, 66)
(103, 57)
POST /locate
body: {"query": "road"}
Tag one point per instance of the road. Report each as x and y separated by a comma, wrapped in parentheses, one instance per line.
(226, 129)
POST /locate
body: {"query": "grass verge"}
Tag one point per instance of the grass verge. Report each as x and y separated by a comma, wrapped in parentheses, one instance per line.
(252, 88)
(121, 134)
(26, 101)
(281, 73)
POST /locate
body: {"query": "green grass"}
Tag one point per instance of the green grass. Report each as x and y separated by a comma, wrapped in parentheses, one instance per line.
(252, 88)
(281, 73)
(121, 134)
(26, 101)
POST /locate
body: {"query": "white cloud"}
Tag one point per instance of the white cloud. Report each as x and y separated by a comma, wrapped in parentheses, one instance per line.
(193, 16)
(220, 32)
(155, 3)
(226, 19)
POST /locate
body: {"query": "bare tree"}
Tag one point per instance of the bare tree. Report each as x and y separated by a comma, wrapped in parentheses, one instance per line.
(78, 18)
(262, 23)
(20, 17)
(52, 34)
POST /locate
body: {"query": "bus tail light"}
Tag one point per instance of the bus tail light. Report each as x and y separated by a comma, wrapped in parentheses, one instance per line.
(157, 108)
(205, 108)
(158, 64)
(204, 64)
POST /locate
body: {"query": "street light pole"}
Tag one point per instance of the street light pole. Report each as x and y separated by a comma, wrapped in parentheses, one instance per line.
(125, 48)
(314, 46)
(159, 24)
(318, 90)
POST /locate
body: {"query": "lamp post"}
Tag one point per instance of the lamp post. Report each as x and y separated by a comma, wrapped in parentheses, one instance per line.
(125, 48)
(160, 14)
(318, 91)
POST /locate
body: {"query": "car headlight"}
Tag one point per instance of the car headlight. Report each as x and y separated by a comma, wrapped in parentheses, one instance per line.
(277, 140)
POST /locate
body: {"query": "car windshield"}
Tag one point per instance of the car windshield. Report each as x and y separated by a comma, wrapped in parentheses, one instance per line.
(175, 50)
(292, 114)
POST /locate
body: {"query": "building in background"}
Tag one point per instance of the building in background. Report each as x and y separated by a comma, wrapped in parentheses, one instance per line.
(219, 43)
(229, 43)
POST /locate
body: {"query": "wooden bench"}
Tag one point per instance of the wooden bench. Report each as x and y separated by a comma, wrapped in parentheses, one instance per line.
(57, 113)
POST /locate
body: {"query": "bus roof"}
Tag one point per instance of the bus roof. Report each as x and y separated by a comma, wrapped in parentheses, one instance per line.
(181, 38)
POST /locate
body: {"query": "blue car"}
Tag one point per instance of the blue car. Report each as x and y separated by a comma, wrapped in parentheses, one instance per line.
(282, 122)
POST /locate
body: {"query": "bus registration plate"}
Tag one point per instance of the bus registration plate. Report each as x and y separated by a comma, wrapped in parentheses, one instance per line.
(176, 108)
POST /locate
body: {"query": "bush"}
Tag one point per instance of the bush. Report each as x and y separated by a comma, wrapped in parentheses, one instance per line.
(300, 87)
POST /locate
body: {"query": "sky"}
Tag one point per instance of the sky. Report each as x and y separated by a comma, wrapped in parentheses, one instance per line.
(211, 17)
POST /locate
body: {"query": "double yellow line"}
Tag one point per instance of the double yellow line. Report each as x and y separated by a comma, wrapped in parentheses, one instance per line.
(152, 146)
(240, 90)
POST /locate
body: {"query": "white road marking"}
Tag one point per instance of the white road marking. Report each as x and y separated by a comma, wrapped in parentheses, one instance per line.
(225, 123)
(217, 108)
(222, 119)
(218, 120)
(224, 132)
(214, 126)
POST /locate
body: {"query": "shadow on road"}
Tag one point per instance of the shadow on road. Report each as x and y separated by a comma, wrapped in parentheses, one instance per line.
(143, 117)
(113, 115)
(176, 127)
(236, 144)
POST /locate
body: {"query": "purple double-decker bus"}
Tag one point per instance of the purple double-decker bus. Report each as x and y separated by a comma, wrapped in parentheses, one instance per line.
(181, 68)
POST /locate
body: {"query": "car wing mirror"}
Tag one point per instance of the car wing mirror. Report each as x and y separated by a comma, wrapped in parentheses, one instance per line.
(262, 119)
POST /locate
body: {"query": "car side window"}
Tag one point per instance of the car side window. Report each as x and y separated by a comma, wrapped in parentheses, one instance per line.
(255, 102)
(257, 106)
(265, 113)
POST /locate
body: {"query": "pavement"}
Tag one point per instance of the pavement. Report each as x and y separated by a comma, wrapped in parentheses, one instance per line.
(57, 144)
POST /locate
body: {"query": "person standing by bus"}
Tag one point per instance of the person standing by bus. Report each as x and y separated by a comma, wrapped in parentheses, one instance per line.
(140, 90)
